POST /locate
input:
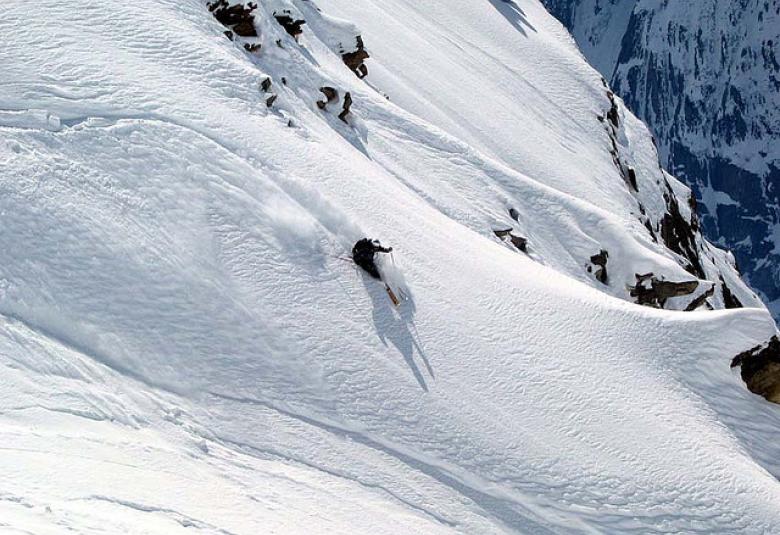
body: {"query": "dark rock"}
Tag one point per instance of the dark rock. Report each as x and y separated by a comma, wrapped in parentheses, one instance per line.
(346, 107)
(331, 95)
(729, 299)
(600, 260)
(654, 292)
(613, 114)
(292, 26)
(270, 100)
(245, 29)
(627, 172)
(632, 178)
(265, 85)
(667, 289)
(514, 214)
(355, 60)
(230, 15)
(760, 369)
(228, 34)
(701, 300)
(238, 16)
(284, 80)
(252, 48)
(649, 228)
(520, 243)
(678, 234)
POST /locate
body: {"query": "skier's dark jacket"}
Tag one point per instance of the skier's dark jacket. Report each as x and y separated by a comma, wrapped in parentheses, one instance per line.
(363, 255)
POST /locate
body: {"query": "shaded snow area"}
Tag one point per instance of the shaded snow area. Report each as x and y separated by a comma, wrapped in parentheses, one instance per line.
(186, 347)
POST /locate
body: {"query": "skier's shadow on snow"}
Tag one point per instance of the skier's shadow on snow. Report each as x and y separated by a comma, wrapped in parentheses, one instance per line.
(397, 327)
(514, 14)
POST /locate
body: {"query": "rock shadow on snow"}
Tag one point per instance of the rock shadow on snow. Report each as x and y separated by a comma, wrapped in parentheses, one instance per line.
(514, 14)
(396, 326)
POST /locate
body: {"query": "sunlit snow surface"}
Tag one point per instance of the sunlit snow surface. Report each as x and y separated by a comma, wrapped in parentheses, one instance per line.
(185, 349)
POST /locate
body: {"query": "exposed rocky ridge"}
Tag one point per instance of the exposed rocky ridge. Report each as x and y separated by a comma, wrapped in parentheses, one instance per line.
(678, 229)
(705, 76)
(655, 292)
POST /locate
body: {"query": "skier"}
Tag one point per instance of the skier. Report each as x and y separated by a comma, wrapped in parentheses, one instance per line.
(363, 254)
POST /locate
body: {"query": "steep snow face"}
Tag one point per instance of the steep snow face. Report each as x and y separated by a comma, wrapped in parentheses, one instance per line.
(598, 26)
(706, 77)
(186, 345)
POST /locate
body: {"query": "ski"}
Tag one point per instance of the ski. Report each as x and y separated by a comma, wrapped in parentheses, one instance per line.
(392, 295)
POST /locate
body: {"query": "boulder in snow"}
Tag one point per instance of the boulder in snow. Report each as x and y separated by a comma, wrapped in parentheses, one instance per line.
(291, 25)
(520, 243)
(600, 261)
(654, 292)
(331, 95)
(237, 16)
(346, 107)
(760, 369)
(355, 60)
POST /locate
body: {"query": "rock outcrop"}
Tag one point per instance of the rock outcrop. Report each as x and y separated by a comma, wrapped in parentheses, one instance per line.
(760, 369)
(520, 243)
(654, 292)
(290, 24)
(679, 234)
(729, 299)
(331, 96)
(239, 17)
(600, 262)
(355, 60)
(346, 107)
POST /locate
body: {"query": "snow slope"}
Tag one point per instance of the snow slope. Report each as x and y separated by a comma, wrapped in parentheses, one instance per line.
(184, 348)
(705, 76)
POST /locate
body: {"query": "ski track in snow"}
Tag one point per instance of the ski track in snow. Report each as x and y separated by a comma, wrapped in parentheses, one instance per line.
(183, 349)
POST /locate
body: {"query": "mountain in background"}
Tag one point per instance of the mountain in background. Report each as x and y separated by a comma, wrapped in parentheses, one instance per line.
(186, 346)
(705, 76)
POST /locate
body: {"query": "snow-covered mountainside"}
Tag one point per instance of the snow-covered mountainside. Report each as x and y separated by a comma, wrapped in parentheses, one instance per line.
(187, 347)
(705, 76)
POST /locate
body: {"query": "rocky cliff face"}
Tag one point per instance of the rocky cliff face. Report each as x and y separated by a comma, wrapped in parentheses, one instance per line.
(705, 76)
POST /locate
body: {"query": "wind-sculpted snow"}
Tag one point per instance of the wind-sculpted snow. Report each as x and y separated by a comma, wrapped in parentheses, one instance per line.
(186, 346)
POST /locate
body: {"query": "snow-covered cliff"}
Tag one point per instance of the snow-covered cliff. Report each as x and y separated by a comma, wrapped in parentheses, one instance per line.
(187, 347)
(705, 76)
